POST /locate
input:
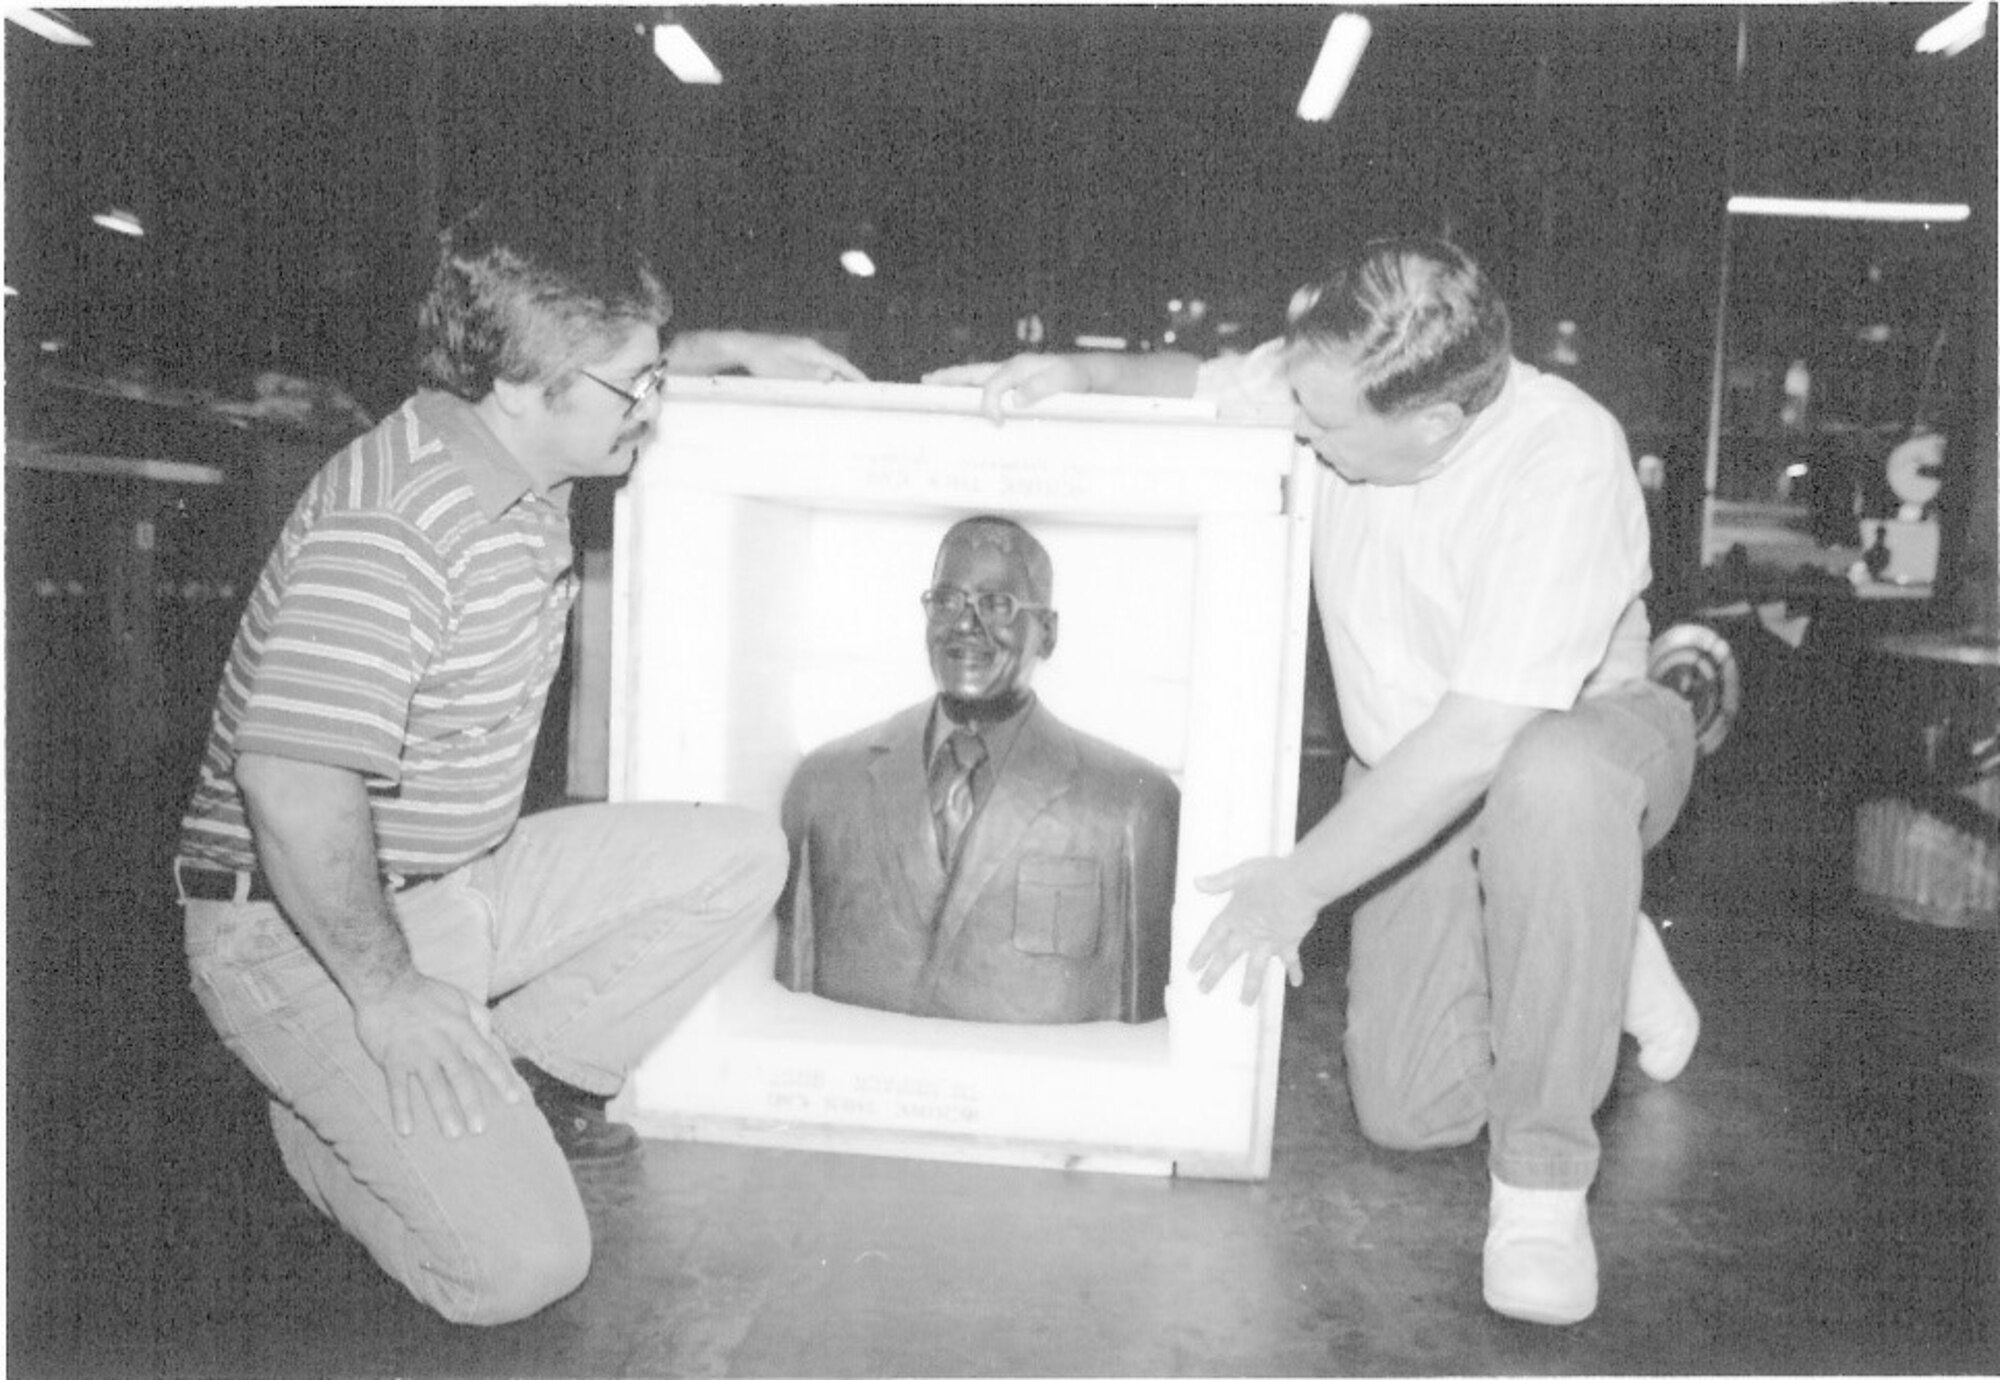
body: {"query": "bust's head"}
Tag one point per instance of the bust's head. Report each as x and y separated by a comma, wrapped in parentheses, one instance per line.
(989, 623)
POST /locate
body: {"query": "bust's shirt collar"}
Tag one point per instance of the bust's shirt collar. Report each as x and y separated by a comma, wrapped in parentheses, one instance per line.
(999, 736)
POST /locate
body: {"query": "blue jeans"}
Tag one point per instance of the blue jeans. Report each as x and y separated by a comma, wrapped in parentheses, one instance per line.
(591, 931)
(1486, 982)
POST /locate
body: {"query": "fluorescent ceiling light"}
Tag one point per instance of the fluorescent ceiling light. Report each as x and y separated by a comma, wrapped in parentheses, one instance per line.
(1100, 342)
(1957, 31)
(1813, 209)
(676, 47)
(124, 222)
(1346, 38)
(49, 27)
(857, 262)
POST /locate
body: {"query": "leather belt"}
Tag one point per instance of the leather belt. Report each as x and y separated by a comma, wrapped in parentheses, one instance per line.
(199, 882)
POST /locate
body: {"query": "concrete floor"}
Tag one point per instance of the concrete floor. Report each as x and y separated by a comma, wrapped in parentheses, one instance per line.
(1815, 1195)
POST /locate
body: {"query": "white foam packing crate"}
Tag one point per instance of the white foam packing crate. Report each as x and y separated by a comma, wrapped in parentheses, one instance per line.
(768, 554)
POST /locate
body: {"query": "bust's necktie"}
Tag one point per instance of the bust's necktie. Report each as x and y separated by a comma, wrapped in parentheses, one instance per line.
(953, 798)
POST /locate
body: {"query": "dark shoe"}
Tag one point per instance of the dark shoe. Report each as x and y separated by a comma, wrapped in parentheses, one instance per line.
(582, 1130)
(588, 1136)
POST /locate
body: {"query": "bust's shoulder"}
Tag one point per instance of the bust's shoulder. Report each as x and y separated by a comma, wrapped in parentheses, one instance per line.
(864, 744)
(1105, 761)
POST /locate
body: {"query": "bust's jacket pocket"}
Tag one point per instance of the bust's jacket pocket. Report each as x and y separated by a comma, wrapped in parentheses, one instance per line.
(1058, 906)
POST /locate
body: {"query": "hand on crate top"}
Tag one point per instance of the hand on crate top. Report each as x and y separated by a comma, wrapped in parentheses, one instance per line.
(766, 356)
(1019, 383)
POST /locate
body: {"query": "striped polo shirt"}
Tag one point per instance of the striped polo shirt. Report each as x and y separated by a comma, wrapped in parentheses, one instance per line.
(406, 627)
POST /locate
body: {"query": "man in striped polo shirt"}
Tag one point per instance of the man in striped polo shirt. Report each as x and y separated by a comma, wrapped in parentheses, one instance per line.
(438, 994)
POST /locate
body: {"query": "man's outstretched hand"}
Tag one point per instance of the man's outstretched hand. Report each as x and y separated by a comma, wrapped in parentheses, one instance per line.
(431, 1036)
(1266, 917)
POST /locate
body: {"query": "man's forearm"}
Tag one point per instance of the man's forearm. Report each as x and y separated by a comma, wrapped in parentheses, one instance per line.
(701, 353)
(1163, 374)
(315, 839)
(1427, 781)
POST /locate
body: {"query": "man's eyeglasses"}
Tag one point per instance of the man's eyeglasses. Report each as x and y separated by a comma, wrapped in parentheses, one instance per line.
(947, 605)
(643, 387)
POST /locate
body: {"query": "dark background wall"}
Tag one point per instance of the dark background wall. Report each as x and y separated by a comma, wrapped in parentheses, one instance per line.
(292, 165)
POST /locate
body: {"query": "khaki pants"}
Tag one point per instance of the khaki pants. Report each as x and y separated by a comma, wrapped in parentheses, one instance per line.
(591, 931)
(1486, 986)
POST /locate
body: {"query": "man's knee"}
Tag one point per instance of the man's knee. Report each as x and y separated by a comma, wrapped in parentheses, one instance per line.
(748, 847)
(1401, 1112)
(752, 860)
(768, 853)
(1398, 1124)
(1548, 756)
(517, 1277)
(1551, 773)
(743, 857)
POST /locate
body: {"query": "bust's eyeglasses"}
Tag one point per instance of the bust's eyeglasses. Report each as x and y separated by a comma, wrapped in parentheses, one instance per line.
(993, 606)
(644, 387)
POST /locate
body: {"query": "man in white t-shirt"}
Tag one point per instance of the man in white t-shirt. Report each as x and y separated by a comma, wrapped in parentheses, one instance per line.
(1479, 560)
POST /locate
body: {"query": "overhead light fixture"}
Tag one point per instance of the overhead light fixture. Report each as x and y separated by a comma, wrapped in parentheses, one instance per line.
(857, 262)
(1100, 342)
(1346, 39)
(675, 46)
(1809, 208)
(1957, 31)
(46, 23)
(124, 222)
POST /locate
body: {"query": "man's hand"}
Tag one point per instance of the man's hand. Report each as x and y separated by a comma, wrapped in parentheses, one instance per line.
(1266, 917)
(313, 826)
(1019, 382)
(430, 1034)
(794, 357)
(703, 354)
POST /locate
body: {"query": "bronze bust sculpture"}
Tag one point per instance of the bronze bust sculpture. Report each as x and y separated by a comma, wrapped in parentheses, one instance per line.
(972, 856)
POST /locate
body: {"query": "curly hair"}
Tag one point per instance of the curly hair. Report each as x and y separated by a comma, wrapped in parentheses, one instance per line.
(513, 299)
(1420, 318)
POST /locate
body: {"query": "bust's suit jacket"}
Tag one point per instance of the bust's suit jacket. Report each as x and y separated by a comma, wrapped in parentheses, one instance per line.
(1059, 907)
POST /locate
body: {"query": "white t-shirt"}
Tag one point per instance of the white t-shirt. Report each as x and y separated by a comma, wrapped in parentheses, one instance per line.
(1512, 574)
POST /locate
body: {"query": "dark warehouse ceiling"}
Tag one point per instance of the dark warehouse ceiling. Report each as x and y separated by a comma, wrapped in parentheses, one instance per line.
(1088, 163)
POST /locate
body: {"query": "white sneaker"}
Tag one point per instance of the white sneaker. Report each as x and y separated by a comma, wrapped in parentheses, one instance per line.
(1659, 1014)
(1540, 1265)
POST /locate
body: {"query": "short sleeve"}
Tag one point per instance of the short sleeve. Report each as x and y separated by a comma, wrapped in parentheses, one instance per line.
(1551, 571)
(361, 615)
